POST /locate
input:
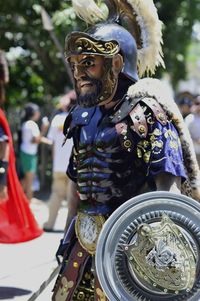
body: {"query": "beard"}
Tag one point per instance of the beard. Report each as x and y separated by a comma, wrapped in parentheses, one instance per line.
(90, 99)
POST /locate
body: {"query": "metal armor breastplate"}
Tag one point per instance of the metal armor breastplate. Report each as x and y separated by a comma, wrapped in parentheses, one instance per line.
(104, 169)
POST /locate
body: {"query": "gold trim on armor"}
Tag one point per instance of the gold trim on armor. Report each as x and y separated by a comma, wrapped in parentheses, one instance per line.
(87, 229)
(101, 295)
(63, 291)
(78, 44)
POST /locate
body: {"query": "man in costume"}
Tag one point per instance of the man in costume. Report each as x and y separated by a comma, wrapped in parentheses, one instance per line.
(17, 223)
(129, 136)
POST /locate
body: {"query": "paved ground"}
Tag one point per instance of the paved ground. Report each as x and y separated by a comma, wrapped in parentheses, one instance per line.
(24, 266)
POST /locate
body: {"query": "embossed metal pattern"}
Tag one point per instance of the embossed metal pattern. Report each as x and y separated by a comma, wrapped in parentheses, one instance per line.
(162, 257)
(117, 277)
(80, 43)
(87, 229)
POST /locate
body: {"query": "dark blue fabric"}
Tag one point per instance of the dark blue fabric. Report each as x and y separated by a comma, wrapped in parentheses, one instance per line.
(82, 116)
(166, 152)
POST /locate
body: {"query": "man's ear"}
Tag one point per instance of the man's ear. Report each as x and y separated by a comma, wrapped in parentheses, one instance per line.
(117, 64)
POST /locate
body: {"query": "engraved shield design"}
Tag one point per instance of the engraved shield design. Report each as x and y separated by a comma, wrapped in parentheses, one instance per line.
(149, 249)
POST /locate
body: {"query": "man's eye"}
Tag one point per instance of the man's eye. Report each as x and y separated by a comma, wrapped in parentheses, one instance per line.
(89, 63)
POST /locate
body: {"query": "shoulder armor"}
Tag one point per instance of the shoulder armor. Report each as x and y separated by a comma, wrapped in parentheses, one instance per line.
(133, 107)
(156, 108)
(123, 109)
(139, 121)
(67, 124)
(77, 116)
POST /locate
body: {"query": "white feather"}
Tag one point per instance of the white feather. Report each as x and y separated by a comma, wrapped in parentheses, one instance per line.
(150, 55)
(88, 10)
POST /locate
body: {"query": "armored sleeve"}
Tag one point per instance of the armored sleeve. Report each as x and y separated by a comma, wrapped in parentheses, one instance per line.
(161, 149)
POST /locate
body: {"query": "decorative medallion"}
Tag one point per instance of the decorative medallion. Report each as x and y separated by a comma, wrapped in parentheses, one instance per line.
(87, 229)
(162, 257)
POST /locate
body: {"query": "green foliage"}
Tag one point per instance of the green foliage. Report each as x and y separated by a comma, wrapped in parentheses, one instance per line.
(37, 71)
(178, 18)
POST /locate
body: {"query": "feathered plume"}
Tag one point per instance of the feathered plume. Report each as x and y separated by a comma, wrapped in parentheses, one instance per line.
(142, 18)
(88, 10)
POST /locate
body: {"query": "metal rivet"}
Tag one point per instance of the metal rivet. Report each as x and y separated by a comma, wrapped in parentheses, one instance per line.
(79, 49)
(127, 143)
(141, 129)
(75, 264)
(84, 114)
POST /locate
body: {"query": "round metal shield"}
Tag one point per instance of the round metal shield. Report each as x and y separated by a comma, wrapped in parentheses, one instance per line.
(124, 277)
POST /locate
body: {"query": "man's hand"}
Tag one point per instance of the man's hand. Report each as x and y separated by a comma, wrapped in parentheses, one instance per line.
(3, 193)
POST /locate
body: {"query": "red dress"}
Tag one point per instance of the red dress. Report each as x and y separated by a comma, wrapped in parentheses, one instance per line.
(17, 223)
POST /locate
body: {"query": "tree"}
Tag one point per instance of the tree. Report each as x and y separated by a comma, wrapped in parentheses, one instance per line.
(178, 18)
(37, 71)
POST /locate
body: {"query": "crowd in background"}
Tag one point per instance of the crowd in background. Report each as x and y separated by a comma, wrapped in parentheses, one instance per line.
(189, 106)
(34, 131)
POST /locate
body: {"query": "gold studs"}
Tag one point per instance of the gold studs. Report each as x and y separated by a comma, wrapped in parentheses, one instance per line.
(161, 117)
(81, 296)
(127, 143)
(80, 254)
(141, 129)
(75, 264)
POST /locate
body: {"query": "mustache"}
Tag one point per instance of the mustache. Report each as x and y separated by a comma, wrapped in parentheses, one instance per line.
(89, 79)
(90, 99)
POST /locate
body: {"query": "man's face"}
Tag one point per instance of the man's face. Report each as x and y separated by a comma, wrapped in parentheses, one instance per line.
(88, 71)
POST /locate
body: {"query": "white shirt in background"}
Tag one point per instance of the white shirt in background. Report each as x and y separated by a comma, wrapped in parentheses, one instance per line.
(193, 123)
(30, 130)
(61, 154)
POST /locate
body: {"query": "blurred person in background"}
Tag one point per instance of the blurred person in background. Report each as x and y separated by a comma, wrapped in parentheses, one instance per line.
(193, 124)
(61, 155)
(184, 101)
(29, 138)
(17, 223)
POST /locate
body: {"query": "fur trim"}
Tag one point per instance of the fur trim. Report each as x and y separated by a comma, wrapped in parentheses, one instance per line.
(150, 87)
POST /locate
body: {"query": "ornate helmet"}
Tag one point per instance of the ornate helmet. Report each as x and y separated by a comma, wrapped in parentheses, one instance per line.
(131, 28)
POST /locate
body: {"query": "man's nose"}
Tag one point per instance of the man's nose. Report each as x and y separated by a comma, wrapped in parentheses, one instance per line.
(78, 72)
